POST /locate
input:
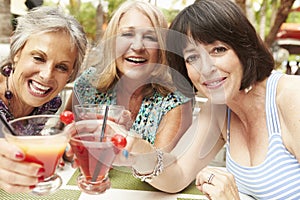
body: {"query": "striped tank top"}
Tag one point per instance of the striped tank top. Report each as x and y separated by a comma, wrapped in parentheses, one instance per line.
(278, 177)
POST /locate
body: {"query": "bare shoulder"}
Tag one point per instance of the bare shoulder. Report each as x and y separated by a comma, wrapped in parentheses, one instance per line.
(288, 84)
(288, 95)
(288, 101)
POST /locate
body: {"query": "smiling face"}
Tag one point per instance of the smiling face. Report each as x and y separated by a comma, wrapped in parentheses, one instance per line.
(42, 68)
(136, 45)
(214, 69)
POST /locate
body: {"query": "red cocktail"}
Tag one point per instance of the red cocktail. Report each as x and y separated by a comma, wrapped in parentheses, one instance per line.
(43, 141)
(95, 158)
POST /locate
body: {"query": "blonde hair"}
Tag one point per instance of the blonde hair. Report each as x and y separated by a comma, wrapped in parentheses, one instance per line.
(107, 71)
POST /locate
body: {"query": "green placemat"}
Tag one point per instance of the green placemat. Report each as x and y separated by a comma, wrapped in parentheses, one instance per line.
(59, 195)
(124, 180)
(73, 179)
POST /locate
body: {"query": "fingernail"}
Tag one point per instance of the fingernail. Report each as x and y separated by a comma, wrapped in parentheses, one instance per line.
(41, 171)
(61, 164)
(67, 148)
(125, 153)
(19, 155)
(32, 187)
(41, 179)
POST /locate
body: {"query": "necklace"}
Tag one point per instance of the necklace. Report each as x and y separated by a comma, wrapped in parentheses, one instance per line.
(6, 71)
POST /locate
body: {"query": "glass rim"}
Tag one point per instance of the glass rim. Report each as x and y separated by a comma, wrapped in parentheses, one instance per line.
(32, 116)
(36, 137)
(91, 105)
(90, 142)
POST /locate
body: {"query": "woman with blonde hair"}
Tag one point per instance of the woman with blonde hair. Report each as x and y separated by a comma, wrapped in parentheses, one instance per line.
(128, 67)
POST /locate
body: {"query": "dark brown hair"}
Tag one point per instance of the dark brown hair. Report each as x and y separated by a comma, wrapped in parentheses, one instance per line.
(207, 21)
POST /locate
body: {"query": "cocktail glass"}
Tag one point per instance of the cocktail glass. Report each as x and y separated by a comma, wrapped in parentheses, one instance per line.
(97, 111)
(94, 152)
(43, 140)
(95, 159)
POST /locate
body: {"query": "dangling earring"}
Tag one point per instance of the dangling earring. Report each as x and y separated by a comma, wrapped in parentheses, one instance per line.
(6, 71)
(247, 90)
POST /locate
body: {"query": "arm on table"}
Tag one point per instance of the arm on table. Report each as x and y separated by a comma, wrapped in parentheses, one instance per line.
(195, 150)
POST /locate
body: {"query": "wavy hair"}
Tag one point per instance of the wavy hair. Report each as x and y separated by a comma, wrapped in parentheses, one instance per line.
(44, 20)
(105, 64)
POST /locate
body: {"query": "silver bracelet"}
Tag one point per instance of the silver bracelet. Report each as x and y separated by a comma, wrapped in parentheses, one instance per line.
(156, 171)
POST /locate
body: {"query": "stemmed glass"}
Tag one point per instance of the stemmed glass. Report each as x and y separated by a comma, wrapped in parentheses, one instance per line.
(92, 145)
(43, 140)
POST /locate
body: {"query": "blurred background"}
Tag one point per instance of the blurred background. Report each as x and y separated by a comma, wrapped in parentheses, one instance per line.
(276, 21)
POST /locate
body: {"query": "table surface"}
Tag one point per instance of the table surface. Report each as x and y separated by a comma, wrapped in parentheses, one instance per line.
(123, 186)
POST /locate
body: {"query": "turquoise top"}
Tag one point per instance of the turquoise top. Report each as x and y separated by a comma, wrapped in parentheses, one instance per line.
(152, 110)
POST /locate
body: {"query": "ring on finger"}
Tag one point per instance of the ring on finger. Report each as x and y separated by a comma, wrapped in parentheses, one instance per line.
(210, 178)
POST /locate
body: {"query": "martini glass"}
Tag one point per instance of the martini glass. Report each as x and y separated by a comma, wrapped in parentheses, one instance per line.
(43, 140)
(92, 145)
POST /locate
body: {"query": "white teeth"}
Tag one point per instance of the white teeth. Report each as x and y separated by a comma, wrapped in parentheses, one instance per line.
(213, 83)
(137, 59)
(38, 88)
(36, 91)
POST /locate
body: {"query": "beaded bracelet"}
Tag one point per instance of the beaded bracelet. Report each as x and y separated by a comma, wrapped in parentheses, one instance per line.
(156, 171)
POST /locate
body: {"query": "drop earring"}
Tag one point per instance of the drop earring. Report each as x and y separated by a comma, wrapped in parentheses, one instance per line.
(6, 71)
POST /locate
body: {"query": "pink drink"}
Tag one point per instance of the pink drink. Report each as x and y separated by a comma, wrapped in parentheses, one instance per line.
(95, 159)
(43, 151)
(43, 139)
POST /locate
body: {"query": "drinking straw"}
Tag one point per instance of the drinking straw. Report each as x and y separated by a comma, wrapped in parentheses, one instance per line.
(104, 122)
(9, 128)
(97, 168)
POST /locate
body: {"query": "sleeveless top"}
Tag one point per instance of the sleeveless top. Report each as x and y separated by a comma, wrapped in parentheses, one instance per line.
(151, 112)
(278, 177)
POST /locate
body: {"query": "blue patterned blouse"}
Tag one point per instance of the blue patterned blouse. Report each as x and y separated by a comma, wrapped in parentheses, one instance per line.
(152, 110)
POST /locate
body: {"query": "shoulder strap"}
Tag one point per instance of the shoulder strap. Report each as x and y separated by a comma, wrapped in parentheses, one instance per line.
(273, 123)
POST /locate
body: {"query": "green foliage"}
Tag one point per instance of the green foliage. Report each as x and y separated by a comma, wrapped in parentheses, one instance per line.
(294, 17)
(170, 14)
(112, 6)
(86, 15)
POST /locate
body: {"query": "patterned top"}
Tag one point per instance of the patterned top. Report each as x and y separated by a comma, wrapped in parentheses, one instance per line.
(152, 110)
(50, 107)
(278, 177)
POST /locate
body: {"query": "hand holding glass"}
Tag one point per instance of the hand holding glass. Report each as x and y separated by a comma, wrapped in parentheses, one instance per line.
(43, 140)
